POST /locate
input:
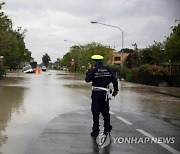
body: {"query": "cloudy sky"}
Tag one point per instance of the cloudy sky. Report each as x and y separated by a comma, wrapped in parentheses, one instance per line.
(51, 22)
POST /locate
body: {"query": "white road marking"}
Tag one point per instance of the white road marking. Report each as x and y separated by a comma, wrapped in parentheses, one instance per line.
(90, 101)
(167, 147)
(124, 120)
(111, 112)
(87, 98)
(120, 118)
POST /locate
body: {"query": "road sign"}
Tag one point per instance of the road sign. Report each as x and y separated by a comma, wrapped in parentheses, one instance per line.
(72, 62)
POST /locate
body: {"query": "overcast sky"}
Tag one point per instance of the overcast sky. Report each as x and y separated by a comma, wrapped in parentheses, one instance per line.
(51, 22)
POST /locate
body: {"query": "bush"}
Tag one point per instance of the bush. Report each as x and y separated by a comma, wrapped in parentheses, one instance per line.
(130, 75)
(120, 71)
(152, 74)
(146, 74)
(2, 72)
(153, 70)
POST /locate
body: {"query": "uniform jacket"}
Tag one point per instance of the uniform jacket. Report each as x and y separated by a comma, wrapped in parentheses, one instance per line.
(101, 76)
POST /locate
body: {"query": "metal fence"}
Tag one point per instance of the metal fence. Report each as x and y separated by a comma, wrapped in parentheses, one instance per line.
(172, 68)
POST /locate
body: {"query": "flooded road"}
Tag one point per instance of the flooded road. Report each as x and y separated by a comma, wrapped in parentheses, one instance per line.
(29, 101)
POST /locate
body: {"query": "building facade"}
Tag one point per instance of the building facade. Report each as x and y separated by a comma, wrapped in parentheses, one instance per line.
(118, 58)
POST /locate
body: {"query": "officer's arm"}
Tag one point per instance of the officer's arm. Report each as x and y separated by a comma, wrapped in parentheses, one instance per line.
(89, 75)
(115, 85)
(114, 81)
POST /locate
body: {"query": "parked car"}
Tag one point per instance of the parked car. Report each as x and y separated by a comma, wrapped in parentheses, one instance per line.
(44, 68)
(28, 69)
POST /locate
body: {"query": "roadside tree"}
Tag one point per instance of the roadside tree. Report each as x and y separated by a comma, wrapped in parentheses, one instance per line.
(46, 59)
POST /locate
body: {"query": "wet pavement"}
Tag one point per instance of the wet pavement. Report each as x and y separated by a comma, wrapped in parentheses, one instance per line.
(66, 135)
(50, 113)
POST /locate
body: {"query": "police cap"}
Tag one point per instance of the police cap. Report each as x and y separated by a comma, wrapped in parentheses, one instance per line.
(97, 57)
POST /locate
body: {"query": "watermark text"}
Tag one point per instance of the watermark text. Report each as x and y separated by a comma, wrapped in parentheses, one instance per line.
(143, 140)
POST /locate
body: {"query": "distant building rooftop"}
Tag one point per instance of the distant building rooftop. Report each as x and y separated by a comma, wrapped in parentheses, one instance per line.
(126, 50)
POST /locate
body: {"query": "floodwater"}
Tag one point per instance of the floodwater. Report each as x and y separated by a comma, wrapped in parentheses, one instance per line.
(29, 101)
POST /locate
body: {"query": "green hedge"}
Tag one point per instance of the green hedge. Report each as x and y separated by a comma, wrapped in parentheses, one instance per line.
(153, 70)
(2, 72)
(146, 74)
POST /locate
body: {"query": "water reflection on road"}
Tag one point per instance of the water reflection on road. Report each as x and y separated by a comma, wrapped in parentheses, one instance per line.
(136, 98)
(141, 100)
(29, 101)
(11, 101)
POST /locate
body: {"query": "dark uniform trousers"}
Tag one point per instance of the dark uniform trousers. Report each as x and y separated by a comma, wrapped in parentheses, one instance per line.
(100, 105)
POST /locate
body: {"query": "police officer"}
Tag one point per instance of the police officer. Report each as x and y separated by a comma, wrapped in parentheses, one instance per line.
(100, 76)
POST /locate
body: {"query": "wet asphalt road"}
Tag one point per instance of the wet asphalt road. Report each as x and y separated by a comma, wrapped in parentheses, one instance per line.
(50, 113)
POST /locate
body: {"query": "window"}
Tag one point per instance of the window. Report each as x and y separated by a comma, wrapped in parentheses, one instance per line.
(117, 58)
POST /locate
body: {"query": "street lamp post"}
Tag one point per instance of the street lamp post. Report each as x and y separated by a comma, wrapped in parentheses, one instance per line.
(72, 42)
(80, 59)
(75, 43)
(94, 22)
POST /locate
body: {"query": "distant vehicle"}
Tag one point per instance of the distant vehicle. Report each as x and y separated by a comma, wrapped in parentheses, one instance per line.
(28, 69)
(64, 68)
(44, 68)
